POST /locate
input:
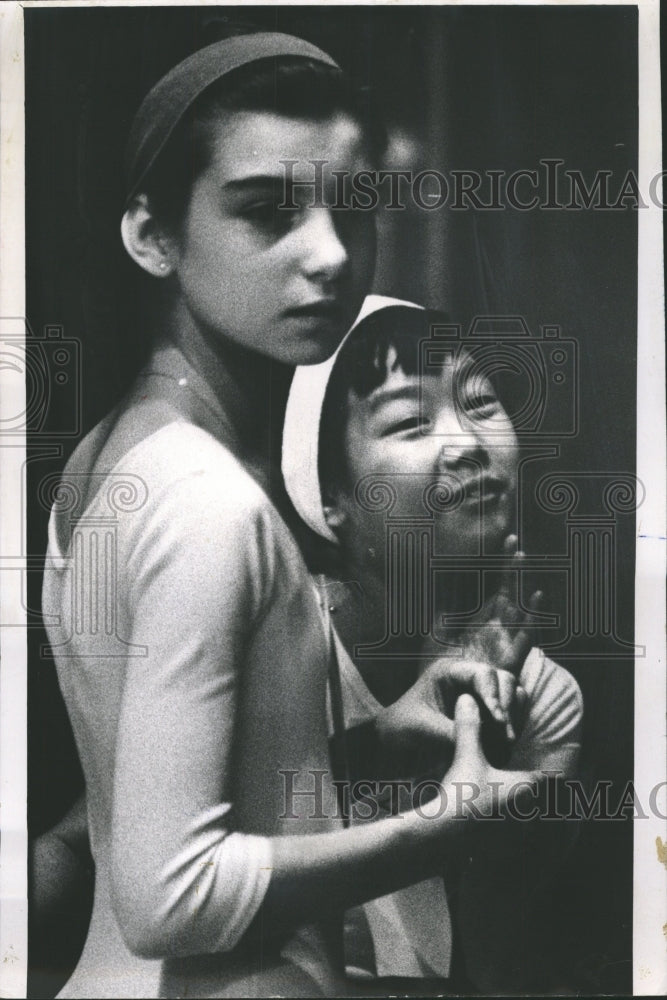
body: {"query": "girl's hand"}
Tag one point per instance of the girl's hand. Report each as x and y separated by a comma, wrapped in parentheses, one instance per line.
(504, 632)
(494, 650)
(472, 785)
(421, 723)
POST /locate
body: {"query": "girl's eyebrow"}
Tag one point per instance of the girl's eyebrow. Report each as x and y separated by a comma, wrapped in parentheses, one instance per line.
(383, 396)
(254, 181)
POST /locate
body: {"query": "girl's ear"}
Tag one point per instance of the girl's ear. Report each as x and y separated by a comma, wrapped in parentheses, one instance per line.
(334, 507)
(334, 515)
(145, 240)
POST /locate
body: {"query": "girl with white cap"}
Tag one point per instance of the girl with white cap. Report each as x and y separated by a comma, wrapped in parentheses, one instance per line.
(396, 463)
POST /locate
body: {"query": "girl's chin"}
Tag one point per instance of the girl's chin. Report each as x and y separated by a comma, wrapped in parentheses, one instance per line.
(314, 350)
(483, 537)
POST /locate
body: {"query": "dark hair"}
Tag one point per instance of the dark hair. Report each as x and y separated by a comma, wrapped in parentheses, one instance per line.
(361, 367)
(291, 86)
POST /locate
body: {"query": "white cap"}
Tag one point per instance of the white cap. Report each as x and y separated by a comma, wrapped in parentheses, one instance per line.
(301, 431)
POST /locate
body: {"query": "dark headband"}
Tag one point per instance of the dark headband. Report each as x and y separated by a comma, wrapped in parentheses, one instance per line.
(164, 106)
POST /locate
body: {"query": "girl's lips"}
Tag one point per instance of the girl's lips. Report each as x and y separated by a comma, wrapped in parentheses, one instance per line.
(484, 491)
(320, 309)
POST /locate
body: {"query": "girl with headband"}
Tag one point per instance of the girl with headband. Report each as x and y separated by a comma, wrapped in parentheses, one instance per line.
(187, 637)
(381, 437)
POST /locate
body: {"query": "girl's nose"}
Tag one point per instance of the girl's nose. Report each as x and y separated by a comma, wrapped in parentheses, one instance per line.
(459, 443)
(325, 254)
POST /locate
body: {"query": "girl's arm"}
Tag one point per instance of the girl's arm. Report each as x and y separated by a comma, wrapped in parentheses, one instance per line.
(61, 869)
(199, 567)
(341, 869)
(60, 895)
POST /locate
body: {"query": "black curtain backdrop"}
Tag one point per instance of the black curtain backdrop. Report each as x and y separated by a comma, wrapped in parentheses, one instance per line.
(462, 89)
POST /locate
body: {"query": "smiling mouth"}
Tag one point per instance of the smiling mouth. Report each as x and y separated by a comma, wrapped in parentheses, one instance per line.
(486, 490)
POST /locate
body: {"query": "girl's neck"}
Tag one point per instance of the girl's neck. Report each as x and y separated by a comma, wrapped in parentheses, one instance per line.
(358, 606)
(359, 595)
(251, 388)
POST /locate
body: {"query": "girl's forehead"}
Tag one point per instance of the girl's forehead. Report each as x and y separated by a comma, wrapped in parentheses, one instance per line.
(251, 142)
(453, 368)
(439, 385)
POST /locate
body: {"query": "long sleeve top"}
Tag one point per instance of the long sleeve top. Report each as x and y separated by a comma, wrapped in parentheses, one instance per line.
(173, 596)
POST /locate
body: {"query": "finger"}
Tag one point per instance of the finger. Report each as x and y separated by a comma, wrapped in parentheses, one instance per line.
(535, 602)
(508, 605)
(448, 676)
(510, 545)
(485, 684)
(526, 637)
(509, 551)
(467, 721)
(471, 676)
(514, 577)
(455, 672)
(437, 726)
(506, 689)
(535, 605)
(520, 697)
(519, 710)
(522, 643)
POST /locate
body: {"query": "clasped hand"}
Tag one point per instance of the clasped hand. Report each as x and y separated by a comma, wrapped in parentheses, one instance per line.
(419, 728)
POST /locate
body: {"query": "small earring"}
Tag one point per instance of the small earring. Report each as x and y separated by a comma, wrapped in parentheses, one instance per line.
(163, 265)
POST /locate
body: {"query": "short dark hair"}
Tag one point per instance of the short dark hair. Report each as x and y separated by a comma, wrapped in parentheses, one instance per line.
(288, 85)
(361, 367)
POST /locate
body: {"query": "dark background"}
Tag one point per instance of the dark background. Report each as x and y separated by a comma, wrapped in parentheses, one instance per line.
(461, 88)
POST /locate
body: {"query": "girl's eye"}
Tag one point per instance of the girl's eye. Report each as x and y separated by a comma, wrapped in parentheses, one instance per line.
(268, 216)
(481, 403)
(416, 423)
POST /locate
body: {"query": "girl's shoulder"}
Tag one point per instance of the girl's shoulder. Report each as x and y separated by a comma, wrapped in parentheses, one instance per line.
(191, 481)
(152, 444)
(178, 449)
(150, 461)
